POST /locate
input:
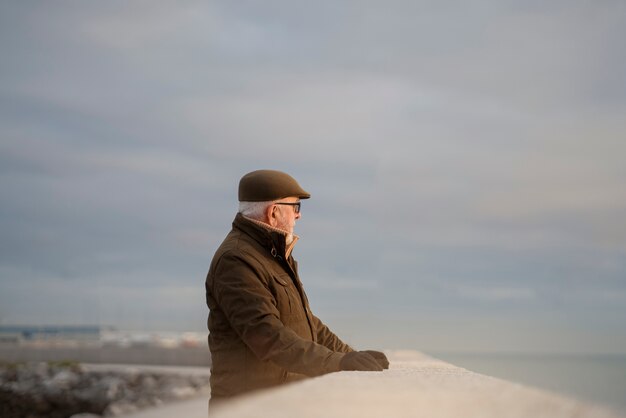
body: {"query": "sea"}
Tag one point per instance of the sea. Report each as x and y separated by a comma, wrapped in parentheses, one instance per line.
(594, 378)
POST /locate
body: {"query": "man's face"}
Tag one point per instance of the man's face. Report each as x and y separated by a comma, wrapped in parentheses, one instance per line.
(286, 216)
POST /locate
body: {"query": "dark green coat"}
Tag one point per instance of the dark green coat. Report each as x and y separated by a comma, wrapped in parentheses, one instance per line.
(261, 330)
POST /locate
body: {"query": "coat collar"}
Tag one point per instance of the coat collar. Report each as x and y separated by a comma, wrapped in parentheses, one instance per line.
(274, 239)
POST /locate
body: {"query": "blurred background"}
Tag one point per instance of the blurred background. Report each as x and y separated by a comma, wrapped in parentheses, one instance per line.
(465, 160)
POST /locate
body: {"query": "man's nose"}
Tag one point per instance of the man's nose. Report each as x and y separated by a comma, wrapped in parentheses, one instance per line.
(298, 215)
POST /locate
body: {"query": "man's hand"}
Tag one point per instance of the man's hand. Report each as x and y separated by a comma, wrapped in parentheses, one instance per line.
(361, 361)
(381, 358)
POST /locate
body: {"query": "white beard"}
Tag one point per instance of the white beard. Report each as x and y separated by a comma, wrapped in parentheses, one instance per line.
(288, 229)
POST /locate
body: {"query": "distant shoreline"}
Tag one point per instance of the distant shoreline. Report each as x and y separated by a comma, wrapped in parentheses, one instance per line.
(148, 355)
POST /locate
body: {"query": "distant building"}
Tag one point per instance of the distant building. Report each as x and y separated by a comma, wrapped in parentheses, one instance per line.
(10, 338)
(21, 333)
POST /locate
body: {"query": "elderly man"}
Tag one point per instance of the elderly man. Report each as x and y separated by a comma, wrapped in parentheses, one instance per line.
(262, 332)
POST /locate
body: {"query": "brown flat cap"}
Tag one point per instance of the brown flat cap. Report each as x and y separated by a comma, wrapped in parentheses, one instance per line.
(267, 185)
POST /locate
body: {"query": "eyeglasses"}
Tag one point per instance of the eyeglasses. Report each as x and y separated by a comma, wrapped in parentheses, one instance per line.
(296, 206)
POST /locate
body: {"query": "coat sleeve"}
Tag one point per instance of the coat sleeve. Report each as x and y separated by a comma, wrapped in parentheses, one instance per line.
(328, 339)
(251, 310)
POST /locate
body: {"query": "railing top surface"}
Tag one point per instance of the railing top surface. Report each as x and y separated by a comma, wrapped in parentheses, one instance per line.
(415, 385)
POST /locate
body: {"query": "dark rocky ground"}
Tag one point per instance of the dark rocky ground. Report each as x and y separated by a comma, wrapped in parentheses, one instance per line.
(65, 389)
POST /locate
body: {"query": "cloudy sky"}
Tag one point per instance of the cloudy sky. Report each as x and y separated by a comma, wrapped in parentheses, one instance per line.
(466, 161)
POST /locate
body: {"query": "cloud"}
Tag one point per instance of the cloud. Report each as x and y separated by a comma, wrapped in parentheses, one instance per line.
(464, 160)
(311, 118)
(331, 282)
(495, 293)
(103, 300)
(134, 26)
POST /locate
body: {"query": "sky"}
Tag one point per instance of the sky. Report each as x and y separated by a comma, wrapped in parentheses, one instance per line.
(466, 162)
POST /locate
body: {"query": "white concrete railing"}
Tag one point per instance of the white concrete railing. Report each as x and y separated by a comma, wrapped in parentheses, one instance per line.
(415, 386)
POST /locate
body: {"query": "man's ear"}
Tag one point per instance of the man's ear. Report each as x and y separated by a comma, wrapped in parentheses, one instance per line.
(270, 215)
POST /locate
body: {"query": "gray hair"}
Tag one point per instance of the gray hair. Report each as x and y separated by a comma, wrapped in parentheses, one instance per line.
(254, 210)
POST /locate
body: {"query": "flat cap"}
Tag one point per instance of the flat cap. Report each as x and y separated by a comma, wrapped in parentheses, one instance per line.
(267, 185)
